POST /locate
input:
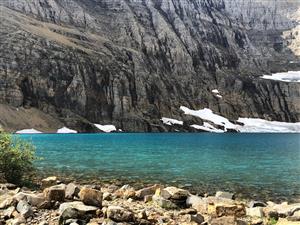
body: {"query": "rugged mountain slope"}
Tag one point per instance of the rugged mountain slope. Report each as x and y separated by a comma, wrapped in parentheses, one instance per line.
(131, 62)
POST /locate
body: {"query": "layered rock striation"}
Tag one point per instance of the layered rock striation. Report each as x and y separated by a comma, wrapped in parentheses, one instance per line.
(132, 62)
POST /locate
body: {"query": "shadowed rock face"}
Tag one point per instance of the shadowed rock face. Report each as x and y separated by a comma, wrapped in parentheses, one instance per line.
(131, 62)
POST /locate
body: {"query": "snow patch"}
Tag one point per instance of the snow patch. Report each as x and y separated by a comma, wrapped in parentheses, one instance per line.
(170, 121)
(290, 76)
(215, 91)
(29, 131)
(106, 128)
(253, 125)
(207, 127)
(66, 130)
(219, 96)
(207, 114)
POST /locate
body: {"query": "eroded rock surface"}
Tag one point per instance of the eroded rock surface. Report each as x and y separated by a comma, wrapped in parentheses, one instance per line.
(130, 63)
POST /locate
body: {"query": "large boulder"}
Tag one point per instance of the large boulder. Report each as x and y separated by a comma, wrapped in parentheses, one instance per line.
(119, 214)
(55, 193)
(91, 196)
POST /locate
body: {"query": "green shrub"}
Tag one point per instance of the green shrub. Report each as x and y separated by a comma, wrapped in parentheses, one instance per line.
(272, 221)
(16, 158)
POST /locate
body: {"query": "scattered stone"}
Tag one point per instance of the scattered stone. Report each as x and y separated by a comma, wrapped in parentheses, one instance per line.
(225, 220)
(293, 218)
(174, 193)
(284, 221)
(49, 181)
(255, 212)
(188, 218)
(197, 203)
(191, 211)
(24, 209)
(107, 196)
(72, 191)
(91, 197)
(44, 223)
(125, 192)
(257, 222)
(32, 199)
(8, 212)
(7, 201)
(119, 214)
(17, 221)
(230, 210)
(148, 198)
(222, 194)
(253, 204)
(164, 203)
(8, 186)
(284, 209)
(79, 206)
(140, 194)
(55, 193)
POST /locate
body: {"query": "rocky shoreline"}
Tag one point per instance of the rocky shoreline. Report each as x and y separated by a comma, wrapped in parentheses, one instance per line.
(75, 204)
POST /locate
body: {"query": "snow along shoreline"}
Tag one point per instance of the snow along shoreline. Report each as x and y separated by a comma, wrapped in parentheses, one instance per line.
(251, 125)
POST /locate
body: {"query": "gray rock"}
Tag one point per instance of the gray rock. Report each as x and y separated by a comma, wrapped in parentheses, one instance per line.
(32, 199)
(255, 212)
(119, 214)
(24, 209)
(164, 203)
(8, 212)
(72, 191)
(79, 206)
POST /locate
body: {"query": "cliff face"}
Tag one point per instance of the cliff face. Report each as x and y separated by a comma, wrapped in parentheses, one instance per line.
(131, 62)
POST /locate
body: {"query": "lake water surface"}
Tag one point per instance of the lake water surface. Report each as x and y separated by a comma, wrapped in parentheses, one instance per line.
(262, 166)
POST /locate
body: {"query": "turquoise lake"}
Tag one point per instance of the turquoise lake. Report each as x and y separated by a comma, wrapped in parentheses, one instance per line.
(261, 166)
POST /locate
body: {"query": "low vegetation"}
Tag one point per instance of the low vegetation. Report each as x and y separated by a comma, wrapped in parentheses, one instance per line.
(16, 158)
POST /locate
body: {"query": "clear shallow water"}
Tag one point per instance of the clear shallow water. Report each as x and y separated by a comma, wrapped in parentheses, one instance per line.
(262, 166)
